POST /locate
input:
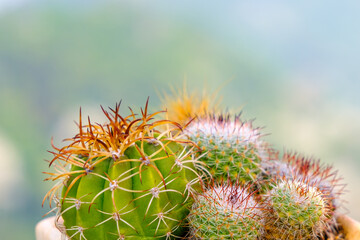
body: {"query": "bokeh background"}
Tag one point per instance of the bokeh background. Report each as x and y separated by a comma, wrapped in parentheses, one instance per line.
(294, 66)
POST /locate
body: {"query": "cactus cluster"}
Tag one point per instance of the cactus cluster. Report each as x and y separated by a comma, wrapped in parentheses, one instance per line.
(195, 174)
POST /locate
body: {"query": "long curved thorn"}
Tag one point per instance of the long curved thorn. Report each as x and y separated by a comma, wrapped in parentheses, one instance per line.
(144, 195)
(68, 174)
(163, 122)
(152, 221)
(127, 160)
(106, 220)
(71, 185)
(80, 129)
(52, 210)
(52, 144)
(157, 227)
(147, 209)
(158, 171)
(97, 195)
(171, 209)
(99, 175)
(128, 211)
(140, 152)
(67, 209)
(130, 125)
(122, 174)
(57, 156)
(128, 224)
(107, 115)
(53, 189)
(169, 181)
(142, 164)
(188, 123)
(146, 105)
(160, 149)
(133, 191)
(165, 133)
(126, 178)
(159, 158)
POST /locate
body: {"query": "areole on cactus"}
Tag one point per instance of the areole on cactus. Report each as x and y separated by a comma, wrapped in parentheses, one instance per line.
(130, 178)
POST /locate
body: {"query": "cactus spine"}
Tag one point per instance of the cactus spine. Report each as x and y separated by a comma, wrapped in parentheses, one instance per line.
(226, 211)
(125, 179)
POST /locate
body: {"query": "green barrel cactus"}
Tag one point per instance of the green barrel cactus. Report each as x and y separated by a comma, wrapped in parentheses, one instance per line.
(226, 211)
(230, 148)
(130, 178)
(299, 210)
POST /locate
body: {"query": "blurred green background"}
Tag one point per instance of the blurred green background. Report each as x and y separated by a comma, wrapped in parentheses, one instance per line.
(291, 65)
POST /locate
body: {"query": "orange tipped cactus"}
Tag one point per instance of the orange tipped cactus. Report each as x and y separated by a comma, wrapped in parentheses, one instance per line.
(124, 179)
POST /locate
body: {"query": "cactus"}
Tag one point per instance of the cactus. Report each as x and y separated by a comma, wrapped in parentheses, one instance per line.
(325, 179)
(226, 211)
(299, 210)
(126, 179)
(230, 148)
(317, 175)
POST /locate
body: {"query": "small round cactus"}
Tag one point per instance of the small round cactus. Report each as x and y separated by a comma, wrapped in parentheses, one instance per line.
(230, 148)
(226, 211)
(125, 179)
(324, 178)
(320, 175)
(299, 211)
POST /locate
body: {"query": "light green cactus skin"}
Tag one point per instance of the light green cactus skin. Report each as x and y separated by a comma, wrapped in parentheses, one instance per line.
(231, 149)
(299, 211)
(141, 213)
(218, 214)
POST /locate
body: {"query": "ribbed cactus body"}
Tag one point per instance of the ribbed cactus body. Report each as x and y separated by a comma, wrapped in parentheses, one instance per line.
(128, 205)
(125, 180)
(233, 148)
(298, 211)
(225, 212)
